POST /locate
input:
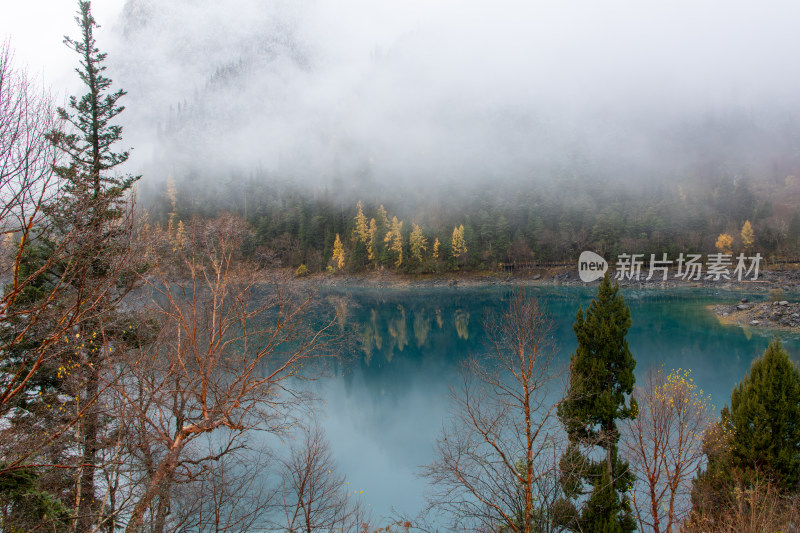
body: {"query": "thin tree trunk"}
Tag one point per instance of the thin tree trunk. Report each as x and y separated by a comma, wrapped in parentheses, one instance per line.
(86, 505)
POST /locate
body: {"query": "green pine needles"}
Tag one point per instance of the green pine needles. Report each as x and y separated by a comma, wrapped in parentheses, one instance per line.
(757, 439)
(594, 479)
(90, 144)
(765, 418)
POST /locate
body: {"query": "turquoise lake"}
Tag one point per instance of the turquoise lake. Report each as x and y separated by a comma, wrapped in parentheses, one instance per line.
(384, 409)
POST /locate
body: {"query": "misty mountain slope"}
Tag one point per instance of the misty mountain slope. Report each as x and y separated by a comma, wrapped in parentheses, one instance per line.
(319, 90)
(553, 127)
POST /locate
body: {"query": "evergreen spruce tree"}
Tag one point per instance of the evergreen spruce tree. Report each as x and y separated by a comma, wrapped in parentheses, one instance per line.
(90, 145)
(758, 436)
(601, 382)
(765, 418)
(94, 206)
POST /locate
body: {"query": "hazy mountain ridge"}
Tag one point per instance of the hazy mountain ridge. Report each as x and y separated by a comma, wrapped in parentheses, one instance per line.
(282, 87)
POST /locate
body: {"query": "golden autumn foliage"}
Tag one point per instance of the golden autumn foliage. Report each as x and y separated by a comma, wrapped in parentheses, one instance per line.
(362, 229)
(417, 242)
(338, 253)
(724, 243)
(383, 217)
(436, 249)
(665, 446)
(459, 246)
(748, 237)
(394, 240)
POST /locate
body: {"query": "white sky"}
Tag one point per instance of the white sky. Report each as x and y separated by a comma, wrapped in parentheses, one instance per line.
(433, 85)
(36, 29)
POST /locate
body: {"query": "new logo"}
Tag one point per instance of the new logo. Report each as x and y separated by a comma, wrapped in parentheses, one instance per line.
(591, 266)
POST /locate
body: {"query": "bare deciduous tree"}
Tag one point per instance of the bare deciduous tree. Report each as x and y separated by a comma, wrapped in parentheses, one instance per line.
(27, 187)
(497, 461)
(227, 349)
(314, 496)
(664, 445)
(233, 493)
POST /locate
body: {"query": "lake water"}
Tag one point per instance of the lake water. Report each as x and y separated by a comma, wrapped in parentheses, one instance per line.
(384, 411)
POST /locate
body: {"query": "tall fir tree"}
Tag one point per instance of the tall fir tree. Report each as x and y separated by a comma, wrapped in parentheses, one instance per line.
(600, 385)
(91, 144)
(90, 147)
(372, 243)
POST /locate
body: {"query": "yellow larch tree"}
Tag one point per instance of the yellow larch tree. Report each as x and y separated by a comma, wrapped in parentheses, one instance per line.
(748, 237)
(417, 242)
(383, 217)
(459, 246)
(338, 253)
(724, 243)
(394, 240)
(436, 249)
(362, 228)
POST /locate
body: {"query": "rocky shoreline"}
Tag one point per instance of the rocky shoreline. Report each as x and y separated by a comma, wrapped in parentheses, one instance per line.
(785, 280)
(772, 315)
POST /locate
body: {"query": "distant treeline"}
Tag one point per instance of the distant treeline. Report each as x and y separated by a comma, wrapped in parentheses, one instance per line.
(479, 226)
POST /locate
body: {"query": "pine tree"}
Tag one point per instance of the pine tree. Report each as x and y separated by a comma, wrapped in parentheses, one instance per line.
(765, 417)
(417, 242)
(90, 148)
(383, 227)
(757, 438)
(372, 242)
(747, 235)
(600, 384)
